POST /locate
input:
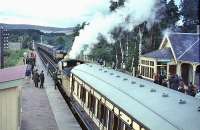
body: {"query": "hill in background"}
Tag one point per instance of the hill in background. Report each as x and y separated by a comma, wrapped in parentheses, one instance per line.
(44, 29)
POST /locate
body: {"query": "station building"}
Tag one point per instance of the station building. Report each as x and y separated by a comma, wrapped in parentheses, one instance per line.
(177, 54)
(11, 80)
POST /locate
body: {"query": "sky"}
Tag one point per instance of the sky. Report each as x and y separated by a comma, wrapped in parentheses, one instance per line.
(56, 13)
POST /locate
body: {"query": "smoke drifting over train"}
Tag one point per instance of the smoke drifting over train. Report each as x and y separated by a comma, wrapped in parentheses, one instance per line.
(136, 11)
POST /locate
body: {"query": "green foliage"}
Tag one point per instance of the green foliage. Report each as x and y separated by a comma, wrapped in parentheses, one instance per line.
(172, 14)
(78, 28)
(13, 57)
(102, 50)
(25, 36)
(16, 34)
(116, 4)
(190, 12)
(60, 40)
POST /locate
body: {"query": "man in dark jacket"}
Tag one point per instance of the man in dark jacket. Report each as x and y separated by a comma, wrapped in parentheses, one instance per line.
(55, 78)
(36, 78)
(42, 79)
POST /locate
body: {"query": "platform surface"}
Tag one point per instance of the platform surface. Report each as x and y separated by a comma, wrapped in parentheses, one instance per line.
(45, 109)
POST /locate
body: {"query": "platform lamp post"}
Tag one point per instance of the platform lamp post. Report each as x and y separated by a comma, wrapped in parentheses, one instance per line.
(3, 44)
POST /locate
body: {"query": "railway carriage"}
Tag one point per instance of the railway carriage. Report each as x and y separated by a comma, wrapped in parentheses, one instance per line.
(116, 101)
(56, 53)
(65, 67)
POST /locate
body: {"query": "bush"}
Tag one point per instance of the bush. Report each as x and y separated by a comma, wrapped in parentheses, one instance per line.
(13, 57)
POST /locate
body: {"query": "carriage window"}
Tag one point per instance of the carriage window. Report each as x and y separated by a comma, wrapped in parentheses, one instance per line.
(83, 94)
(99, 110)
(89, 100)
(102, 113)
(105, 116)
(110, 121)
(121, 125)
(127, 127)
(77, 92)
(116, 122)
(73, 85)
(92, 103)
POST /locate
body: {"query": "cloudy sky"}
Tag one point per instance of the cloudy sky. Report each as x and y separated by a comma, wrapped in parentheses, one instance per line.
(58, 13)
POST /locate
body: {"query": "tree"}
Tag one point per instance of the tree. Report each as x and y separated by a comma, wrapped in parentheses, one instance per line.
(78, 28)
(172, 14)
(102, 50)
(60, 40)
(115, 4)
(190, 12)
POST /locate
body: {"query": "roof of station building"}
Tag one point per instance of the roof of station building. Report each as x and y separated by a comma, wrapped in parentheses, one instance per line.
(8, 76)
(164, 54)
(183, 42)
(155, 106)
(183, 46)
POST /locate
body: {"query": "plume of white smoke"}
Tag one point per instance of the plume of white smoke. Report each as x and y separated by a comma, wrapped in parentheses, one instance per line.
(166, 32)
(137, 11)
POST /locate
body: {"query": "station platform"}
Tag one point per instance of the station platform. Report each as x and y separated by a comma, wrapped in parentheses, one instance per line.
(45, 109)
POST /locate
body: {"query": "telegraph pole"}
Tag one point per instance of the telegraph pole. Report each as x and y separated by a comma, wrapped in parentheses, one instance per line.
(3, 44)
(41, 39)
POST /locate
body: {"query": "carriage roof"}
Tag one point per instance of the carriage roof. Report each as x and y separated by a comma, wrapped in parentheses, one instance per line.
(143, 100)
(46, 45)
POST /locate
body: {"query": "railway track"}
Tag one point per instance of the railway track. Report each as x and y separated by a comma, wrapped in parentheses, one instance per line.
(52, 68)
(46, 59)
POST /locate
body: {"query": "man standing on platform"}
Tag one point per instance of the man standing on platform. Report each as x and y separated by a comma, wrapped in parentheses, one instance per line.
(42, 79)
(55, 79)
(47, 68)
(36, 78)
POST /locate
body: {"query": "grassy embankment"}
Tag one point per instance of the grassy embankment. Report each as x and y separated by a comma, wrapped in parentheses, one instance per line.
(14, 58)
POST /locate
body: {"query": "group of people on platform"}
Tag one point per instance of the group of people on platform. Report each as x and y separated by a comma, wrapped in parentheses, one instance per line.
(32, 71)
(176, 83)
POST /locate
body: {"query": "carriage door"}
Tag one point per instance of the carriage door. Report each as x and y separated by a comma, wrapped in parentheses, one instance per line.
(110, 120)
(116, 122)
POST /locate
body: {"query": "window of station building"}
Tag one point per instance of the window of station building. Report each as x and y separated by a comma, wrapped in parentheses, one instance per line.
(147, 71)
(142, 61)
(151, 63)
(151, 72)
